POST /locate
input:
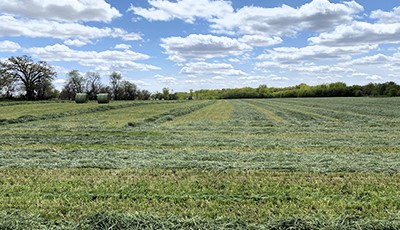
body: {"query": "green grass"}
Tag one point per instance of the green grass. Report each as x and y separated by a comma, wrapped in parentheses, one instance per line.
(250, 196)
(315, 163)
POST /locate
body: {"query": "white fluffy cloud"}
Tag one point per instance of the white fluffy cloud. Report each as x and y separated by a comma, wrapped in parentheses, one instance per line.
(387, 17)
(305, 68)
(198, 46)
(72, 32)
(317, 15)
(260, 40)
(186, 10)
(122, 46)
(107, 60)
(166, 79)
(370, 60)
(321, 69)
(359, 33)
(316, 52)
(374, 77)
(75, 42)
(66, 10)
(9, 46)
(204, 68)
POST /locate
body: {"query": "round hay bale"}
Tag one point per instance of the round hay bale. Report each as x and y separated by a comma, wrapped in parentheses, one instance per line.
(81, 98)
(103, 98)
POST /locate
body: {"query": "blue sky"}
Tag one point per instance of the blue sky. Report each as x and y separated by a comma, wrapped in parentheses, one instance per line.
(204, 44)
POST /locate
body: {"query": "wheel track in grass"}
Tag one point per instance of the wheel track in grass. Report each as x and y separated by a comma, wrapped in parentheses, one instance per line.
(267, 112)
(170, 115)
(300, 111)
(215, 114)
(246, 115)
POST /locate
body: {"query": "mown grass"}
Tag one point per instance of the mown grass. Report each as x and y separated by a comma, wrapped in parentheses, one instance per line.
(314, 163)
(249, 196)
(37, 109)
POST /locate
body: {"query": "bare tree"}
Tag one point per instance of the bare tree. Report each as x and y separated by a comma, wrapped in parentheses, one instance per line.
(23, 69)
(93, 84)
(75, 84)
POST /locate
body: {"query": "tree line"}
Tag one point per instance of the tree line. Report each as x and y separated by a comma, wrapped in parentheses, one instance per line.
(91, 84)
(21, 77)
(337, 89)
(33, 81)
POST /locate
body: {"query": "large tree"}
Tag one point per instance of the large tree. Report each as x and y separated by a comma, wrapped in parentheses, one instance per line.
(128, 90)
(74, 84)
(31, 75)
(93, 84)
(115, 81)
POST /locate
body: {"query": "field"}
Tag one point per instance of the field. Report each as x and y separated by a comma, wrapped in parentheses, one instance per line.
(313, 163)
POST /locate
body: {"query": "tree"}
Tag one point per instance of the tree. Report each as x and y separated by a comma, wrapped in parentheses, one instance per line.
(93, 84)
(143, 94)
(115, 79)
(45, 90)
(128, 90)
(75, 84)
(165, 92)
(23, 69)
(7, 85)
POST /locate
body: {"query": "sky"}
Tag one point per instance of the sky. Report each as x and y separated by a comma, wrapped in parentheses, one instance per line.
(208, 44)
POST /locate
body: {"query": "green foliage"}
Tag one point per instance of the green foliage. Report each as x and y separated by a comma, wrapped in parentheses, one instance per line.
(337, 89)
(34, 77)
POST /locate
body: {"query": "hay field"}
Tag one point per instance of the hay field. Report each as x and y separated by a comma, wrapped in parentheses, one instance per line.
(312, 163)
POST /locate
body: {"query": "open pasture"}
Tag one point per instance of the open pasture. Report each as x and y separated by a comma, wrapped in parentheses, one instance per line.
(311, 163)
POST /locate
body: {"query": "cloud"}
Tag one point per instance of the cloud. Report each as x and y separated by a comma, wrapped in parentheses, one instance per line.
(249, 80)
(165, 79)
(9, 46)
(75, 42)
(370, 60)
(104, 60)
(64, 10)
(274, 77)
(140, 83)
(186, 10)
(359, 33)
(260, 40)
(198, 46)
(310, 69)
(59, 81)
(123, 46)
(72, 32)
(374, 77)
(204, 68)
(387, 17)
(218, 78)
(316, 52)
(321, 69)
(317, 15)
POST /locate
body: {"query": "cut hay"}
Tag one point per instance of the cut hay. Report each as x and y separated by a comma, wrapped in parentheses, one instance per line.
(81, 98)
